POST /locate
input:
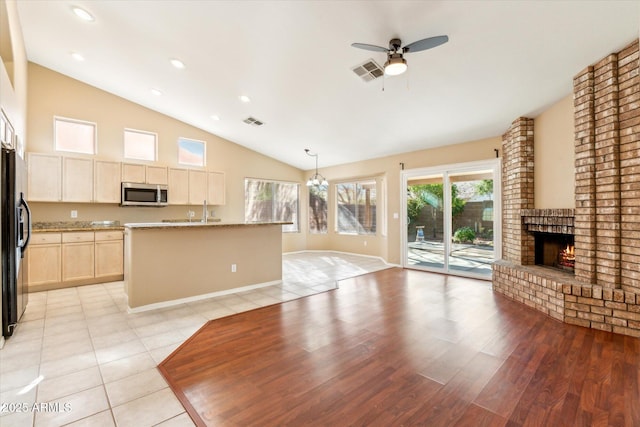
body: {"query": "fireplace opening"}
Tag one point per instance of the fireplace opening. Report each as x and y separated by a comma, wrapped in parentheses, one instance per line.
(555, 250)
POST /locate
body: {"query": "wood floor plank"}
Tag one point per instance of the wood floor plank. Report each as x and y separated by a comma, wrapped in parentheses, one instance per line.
(402, 347)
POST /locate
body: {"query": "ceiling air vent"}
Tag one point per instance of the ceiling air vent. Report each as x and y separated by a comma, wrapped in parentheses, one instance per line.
(368, 70)
(253, 121)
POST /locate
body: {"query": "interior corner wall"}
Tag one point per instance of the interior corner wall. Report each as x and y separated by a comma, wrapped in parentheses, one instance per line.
(554, 178)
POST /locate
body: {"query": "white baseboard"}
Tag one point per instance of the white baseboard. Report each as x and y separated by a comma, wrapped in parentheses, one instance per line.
(171, 303)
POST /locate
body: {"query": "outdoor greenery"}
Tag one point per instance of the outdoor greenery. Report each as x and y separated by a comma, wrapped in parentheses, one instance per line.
(484, 187)
(423, 195)
(464, 235)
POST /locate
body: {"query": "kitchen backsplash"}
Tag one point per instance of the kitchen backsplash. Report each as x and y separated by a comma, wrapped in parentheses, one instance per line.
(54, 212)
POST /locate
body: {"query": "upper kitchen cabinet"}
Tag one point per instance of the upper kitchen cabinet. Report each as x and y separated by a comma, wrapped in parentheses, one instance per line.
(77, 180)
(178, 186)
(197, 187)
(107, 182)
(45, 177)
(215, 188)
(144, 174)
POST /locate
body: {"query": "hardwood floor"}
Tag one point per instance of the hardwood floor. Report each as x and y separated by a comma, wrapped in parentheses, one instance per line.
(402, 347)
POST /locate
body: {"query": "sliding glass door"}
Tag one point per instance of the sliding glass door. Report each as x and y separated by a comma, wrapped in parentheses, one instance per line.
(450, 223)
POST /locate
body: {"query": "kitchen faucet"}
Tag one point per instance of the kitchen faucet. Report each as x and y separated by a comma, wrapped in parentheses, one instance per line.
(205, 214)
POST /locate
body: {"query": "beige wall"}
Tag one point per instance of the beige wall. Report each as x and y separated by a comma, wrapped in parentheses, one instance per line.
(53, 94)
(554, 171)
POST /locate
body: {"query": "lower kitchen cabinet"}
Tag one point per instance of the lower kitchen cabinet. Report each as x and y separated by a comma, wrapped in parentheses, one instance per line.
(109, 248)
(44, 259)
(59, 260)
(78, 254)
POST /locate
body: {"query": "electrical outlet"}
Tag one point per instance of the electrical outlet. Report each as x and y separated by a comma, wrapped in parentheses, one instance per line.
(233, 268)
(365, 243)
(74, 214)
(395, 215)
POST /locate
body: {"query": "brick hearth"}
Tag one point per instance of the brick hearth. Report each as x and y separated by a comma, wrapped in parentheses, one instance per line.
(604, 293)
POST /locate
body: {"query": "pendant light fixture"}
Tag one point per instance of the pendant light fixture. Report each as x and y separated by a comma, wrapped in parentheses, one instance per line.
(316, 179)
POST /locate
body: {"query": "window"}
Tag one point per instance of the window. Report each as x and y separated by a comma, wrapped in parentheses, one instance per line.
(191, 152)
(266, 201)
(356, 207)
(75, 136)
(140, 145)
(318, 209)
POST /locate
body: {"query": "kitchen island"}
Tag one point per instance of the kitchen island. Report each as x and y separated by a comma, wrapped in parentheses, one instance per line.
(172, 263)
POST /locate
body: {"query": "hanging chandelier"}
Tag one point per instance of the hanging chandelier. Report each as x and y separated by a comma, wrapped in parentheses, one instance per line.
(316, 179)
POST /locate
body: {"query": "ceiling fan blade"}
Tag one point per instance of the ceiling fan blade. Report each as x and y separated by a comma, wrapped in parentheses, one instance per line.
(425, 44)
(370, 47)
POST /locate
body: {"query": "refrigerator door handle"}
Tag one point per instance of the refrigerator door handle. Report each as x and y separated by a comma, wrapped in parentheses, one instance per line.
(23, 202)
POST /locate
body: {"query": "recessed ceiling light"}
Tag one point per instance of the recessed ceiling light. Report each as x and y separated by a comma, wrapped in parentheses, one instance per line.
(156, 92)
(82, 14)
(177, 63)
(215, 117)
(245, 98)
(77, 56)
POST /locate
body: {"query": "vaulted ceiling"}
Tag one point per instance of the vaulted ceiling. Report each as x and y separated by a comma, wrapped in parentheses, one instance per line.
(294, 60)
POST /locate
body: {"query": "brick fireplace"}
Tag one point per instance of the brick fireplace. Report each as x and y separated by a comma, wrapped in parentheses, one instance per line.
(603, 290)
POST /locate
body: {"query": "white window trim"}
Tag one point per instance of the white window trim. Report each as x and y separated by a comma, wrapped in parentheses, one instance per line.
(84, 122)
(335, 200)
(204, 152)
(146, 132)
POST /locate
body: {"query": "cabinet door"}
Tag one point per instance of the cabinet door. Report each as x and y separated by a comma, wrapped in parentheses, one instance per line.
(77, 180)
(178, 186)
(107, 182)
(109, 258)
(45, 178)
(133, 173)
(157, 175)
(215, 188)
(197, 187)
(43, 264)
(77, 261)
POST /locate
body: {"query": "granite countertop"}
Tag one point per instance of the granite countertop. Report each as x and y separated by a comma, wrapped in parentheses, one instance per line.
(195, 224)
(68, 226)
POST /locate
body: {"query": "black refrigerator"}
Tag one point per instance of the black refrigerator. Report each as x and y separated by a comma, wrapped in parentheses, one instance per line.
(15, 234)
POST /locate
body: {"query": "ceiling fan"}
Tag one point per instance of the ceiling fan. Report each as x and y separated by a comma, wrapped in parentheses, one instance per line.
(396, 64)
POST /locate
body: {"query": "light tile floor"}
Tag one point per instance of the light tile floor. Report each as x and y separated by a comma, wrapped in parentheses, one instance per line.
(78, 358)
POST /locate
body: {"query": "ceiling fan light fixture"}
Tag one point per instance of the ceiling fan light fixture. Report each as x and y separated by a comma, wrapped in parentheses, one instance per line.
(395, 65)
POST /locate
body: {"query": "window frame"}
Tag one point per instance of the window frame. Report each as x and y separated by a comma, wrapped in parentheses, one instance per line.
(204, 152)
(141, 132)
(356, 183)
(94, 145)
(292, 228)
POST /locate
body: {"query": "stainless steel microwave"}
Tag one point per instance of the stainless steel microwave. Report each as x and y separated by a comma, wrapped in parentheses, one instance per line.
(134, 194)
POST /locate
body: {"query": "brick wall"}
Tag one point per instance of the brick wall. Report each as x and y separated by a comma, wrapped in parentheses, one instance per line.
(605, 291)
(629, 117)
(517, 191)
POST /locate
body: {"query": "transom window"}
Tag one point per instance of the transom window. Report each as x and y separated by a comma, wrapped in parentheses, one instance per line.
(267, 201)
(191, 152)
(75, 136)
(140, 145)
(356, 207)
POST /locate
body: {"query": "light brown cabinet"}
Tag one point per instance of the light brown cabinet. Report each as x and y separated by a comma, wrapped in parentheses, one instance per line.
(107, 182)
(77, 256)
(178, 186)
(216, 188)
(58, 260)
(109, 247)
(77, 180)
(144, 174)
(197, 187)
(44, 259)
(45, 177)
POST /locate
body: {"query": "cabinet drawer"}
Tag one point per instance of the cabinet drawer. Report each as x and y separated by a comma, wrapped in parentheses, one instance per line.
(81, 236)
(45, 238)
(108, 235)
